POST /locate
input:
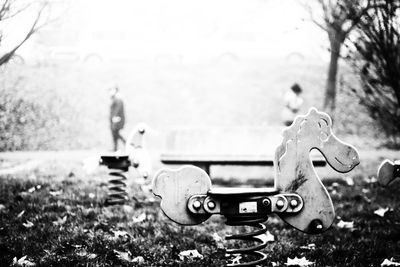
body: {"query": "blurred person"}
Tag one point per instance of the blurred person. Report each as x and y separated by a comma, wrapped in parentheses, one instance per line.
(293, 103)
(117, 116)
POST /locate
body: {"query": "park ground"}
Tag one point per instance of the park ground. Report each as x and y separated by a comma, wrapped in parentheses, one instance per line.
(54, 214)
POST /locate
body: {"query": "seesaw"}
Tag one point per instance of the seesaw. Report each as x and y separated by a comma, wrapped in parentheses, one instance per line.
(298, 196)
(134, 156)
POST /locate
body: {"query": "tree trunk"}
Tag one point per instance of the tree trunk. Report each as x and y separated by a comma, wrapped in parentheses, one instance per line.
(330, 89)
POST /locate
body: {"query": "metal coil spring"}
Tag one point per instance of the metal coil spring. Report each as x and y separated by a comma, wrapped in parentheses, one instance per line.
(117, 188)
(256, 236)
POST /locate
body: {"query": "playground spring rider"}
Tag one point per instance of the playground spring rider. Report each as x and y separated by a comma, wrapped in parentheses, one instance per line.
(298, 197)
(388, 171)
(119, 165)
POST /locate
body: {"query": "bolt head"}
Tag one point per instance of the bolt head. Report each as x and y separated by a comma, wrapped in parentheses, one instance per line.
(280, 204)
(266, 202)
(211, 205)
(135, 163)
(293, 203)
(196, 204)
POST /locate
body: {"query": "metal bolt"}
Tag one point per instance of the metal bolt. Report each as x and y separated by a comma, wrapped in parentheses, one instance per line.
(135, 163)
(196, 204)
(211, 205)
(266, 202)
(293, 203)
(280, 204)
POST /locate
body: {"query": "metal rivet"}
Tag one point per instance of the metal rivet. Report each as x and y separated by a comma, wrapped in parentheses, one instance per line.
(196, 204)
(319, 226)
(293, 203)
(280, 204)
(211, 205)
(266, 202)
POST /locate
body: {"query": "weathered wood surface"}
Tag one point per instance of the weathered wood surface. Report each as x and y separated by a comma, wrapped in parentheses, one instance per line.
(175, 187)
(388, 171)
(294, 172)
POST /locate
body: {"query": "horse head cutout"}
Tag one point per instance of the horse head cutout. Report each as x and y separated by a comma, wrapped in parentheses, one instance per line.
(137, 151)
(294, 171)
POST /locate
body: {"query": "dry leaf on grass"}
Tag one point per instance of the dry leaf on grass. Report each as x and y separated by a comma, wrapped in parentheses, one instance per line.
(190, 254)
(28, 224)
(60, 221)
(55, 193)
(381, 211)
(20, 214)
(390, 262)
(127, 256)
(139, 218)
(298, 262)
(349, 180)
(346, 225)
(23, 262)
(309, 246)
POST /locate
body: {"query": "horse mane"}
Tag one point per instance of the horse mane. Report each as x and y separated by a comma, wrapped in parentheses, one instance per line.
(291, 131)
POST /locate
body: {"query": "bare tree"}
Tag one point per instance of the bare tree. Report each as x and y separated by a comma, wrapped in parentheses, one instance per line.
(377, 60)
(339, 17)
(9, 9)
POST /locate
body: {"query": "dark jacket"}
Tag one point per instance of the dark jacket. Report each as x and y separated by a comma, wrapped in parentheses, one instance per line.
(117, 110)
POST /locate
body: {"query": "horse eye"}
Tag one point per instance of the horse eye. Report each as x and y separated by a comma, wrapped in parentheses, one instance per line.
(323, 123)
(324, 136)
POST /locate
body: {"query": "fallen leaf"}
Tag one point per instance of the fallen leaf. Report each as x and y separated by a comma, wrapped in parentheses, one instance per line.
(127, 256)
(121, 234)
(138, 259)
(28, 224)
(20, 214)
(365, 190)
(55, 193)
(390, 262)
(139, 218)
(345, 225)
(370, 180)
(91, 256)
(381, 211)
(236, 259)
(60, 221)
(309, 246)
(2, 207)
(91, 195)
(267, 237)
(127, 208)
(32, 189)
(22, 262)
(298, 262)
(349, 180)
(124, 256)
(190, 254)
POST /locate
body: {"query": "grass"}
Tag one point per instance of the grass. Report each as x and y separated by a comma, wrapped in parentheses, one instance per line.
(71, 225)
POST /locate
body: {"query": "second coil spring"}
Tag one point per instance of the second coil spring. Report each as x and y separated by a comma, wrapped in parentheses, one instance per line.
(117, 188)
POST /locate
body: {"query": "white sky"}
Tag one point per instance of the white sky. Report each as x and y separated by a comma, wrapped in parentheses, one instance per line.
(265, 26)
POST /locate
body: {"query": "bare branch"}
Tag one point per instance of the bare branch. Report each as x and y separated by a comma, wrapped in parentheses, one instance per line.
(34, 28)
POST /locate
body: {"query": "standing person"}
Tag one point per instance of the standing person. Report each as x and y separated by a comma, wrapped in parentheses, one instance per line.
(117, 116)
(293, 103)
